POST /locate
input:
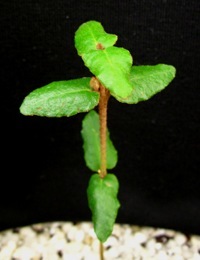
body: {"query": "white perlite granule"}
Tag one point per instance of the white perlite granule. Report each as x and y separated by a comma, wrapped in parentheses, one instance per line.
(69, 241)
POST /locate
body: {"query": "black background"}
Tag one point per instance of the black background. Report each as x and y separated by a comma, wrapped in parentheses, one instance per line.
(43, 173)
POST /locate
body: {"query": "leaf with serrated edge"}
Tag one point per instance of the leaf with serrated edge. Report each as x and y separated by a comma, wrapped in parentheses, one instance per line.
(61, 98)
(91, 143)
(103, 202)
(92, 36)
(148, 80)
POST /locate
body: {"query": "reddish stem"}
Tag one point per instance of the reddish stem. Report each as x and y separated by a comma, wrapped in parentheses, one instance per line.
(103, 103)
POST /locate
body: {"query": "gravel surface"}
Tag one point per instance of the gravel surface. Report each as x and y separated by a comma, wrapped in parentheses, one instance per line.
(69, 241)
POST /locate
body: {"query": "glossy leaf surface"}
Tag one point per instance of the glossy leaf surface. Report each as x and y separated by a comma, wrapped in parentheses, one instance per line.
(91, 143)
(61, 98)
(148, 80)
(111, 65)
(103, 202)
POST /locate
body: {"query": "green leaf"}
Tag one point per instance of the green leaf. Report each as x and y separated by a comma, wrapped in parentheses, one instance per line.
(91, 143)
(111, 65)
(61, 98)
(91, 36)
(147, 81)
(103, 202)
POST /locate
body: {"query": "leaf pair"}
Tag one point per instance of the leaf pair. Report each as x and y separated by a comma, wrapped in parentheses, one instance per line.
(113, 68)
(67, 98)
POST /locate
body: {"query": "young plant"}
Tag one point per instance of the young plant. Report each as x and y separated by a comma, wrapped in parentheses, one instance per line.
(113, 75)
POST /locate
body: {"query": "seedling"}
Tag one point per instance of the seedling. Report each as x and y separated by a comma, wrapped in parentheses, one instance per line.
(113, 75)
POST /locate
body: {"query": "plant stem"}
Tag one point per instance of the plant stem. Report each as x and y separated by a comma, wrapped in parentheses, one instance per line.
(101, 250)
(103, 103)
